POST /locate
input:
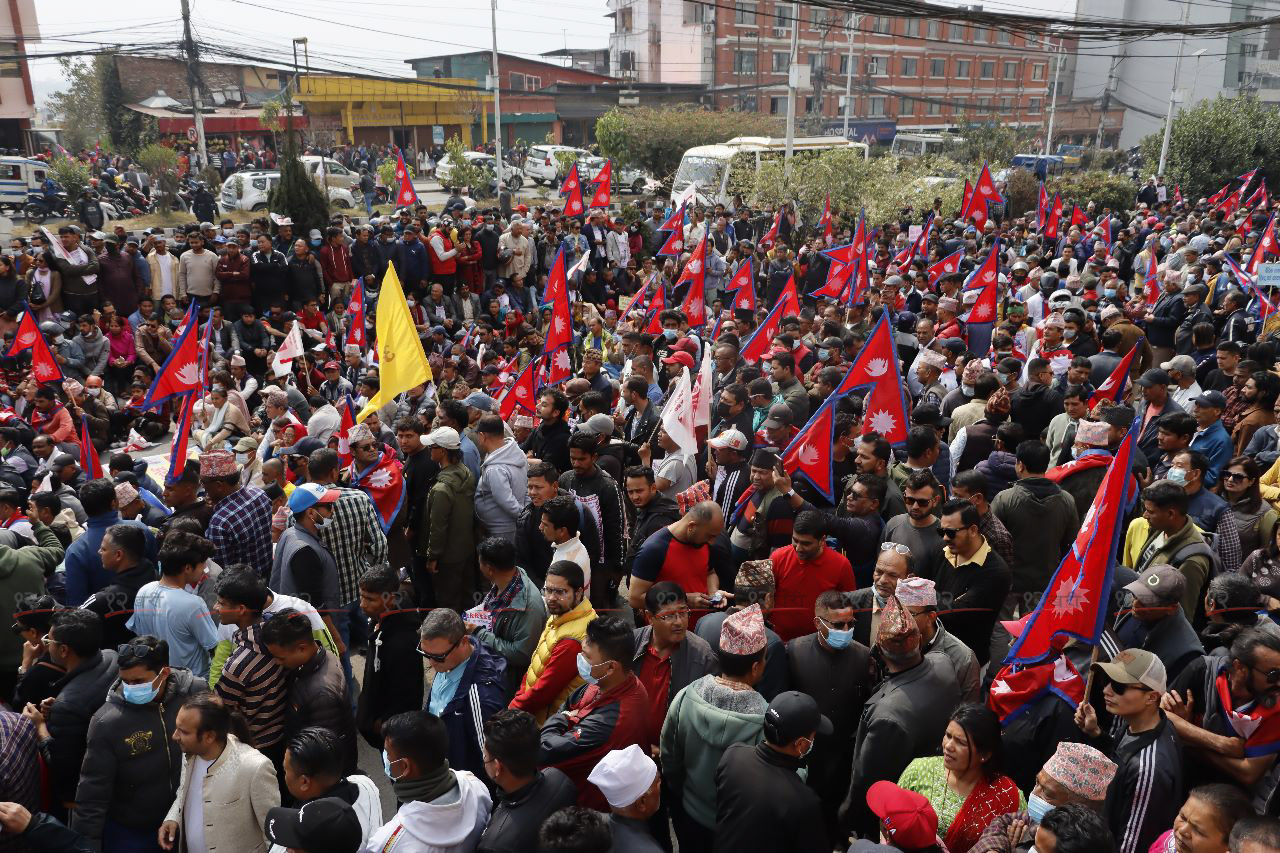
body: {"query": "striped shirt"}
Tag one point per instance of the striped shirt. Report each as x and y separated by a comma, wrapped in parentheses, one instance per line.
(240, 529)
(354, 539)
(256, 686)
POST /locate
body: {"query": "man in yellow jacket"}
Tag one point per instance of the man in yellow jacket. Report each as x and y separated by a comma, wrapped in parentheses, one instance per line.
(553, 673)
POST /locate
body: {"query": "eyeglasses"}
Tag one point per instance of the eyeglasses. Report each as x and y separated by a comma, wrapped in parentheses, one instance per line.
(949, 532)
(1120, 688)
(368, 445)
(440, 658)
(896, 548)
(1236, 475)
(670, 617)
(554, 592)
(1271, 676)
(837, 626)
(918, 501)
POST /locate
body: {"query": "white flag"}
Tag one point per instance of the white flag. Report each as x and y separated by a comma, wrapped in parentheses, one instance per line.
(677, 415)
(289, 350)
(702, 390)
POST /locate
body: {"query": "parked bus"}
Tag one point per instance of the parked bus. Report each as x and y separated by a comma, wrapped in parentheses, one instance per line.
(711, 167)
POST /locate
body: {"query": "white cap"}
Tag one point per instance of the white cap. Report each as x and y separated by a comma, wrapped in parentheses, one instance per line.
(732, 439)
(624, 775)
(445, 437)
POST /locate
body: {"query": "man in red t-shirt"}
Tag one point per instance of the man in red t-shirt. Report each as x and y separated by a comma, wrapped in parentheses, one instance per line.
(803, 570)
(680, 552)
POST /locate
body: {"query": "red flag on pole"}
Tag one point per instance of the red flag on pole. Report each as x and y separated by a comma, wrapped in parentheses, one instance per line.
(985, 280)
(356, 333)
(1054, 217)
(743, 277)
(676, 221)
(1267, 246)
(1075, 600)
(809, 453)
(180, 372)
(603, 184)
(406, 195)
(1077, 216)
(181, 438)
(945, 267)
(673, 246)
(877, 366)
(88, 453)
(694, 305)
(560, 333)
(1117, 383)
(825, 226)
(1149, 278)
(757, 345)
(344, 430)
(520, 394)
(1217, 197)
(1259, 197)
(572, 187)
(27, 336)
(1042, 206)
(968, 196)
(771, 236)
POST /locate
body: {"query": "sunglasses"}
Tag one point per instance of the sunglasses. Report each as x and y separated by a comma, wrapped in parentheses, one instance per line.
(439, 658)
(1235, 476)
(918, 501)
(837, 626)
(366, 446)
(949, 532)
(1271, 676)
(1120, 689)
(896, 548)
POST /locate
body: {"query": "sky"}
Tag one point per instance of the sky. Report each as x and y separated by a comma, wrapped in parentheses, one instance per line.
(378, 41)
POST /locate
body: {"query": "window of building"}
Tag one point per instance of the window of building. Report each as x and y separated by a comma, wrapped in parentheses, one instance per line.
(1010, 70)
(783, 15)
(906, 107)
(935, 109)
(781, 62)
(820, 16)
(694, 13)
(626, 60)
(748, 103)
(1037, 71)
(877, 66)
(744, 61)
(988, 70)
(517, 81)
(1006, 104)
(1004, 37)
(844, 64)
(1032, 39)
(962, 68)
(777, 105)
(875, 106)
(909, 65)
(984, 105)
(816, 63)
(808, 103)
(937, 68)
(955, 32)
(911, 28)
(882, 25)
(934, 29)
(980, 35)
(1033, 105)
(625, 20)
(744, 13)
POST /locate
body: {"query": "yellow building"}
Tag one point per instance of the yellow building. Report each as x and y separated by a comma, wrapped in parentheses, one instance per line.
(412, 113)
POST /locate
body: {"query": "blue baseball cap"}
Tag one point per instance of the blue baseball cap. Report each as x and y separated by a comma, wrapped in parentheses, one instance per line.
(307, 495)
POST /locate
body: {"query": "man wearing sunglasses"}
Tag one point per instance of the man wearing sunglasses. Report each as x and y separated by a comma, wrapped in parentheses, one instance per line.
(974, 579)
(1146, 793)
(467, 685)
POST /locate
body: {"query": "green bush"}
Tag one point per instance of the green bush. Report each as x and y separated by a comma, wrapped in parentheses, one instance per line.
(1102, 188)
(161, 163)
(1217, 140)
(656, 138)
(72, 174)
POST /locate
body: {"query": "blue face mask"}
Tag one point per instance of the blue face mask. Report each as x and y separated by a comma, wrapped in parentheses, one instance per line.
(315, 244)
(824, 354)
(670, 334)
(386, 766)
(839, 639)
(1037, 808)
(1177, 476)
(584, 669)
(139, 694)
(1109, 292)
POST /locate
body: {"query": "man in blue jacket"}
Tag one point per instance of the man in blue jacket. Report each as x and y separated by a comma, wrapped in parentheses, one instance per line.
(83, 566)
(1211, 438)
(467, 685)
(411, 261)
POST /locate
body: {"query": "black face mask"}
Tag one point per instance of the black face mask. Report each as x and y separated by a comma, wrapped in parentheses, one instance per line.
(723, 411)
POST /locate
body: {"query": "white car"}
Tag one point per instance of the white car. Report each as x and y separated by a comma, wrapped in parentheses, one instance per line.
(444, 169)
(625, 178)
(542, 166)
(250, 190)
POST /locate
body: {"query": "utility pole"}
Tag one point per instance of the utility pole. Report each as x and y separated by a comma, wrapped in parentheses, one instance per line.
(854, 20)
(193, 81)
(1053, 100)
(1173, 91)
(792, 80)
(497, 96)
(1106, 99)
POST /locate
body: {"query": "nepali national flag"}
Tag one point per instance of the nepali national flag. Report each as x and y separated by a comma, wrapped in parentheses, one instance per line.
(1115, 385)
(344, 430)
(985, 280)
(743, 277)
(860, 273)
(876, 366)
(1232, 202)
(1149, 279)
(603, 184)
(838, 272)
(520, 394)
(918, 248)
(677, 220)
(824, 221)
(757, 346)
(43, 364)
(406, 195)
(1075, 601)
(1247, 177)
(984, 193)
(1078, 216)
(180, 373)
(572, 187)
(949, 265)
(560, 333)
(1177, 194)
(673, 245)
(657, 304)
(1042, 206)
(1216, 199)
(743, 287)
(356, 332)
(967, 197)
(1266, 247)
(383, 482)
(771, 236)
(88, 453)
(694, 305)
(1259, 197)
(1054, 217)
(181, 438)
(809, 453)
(1105, 225)
(1261, 306)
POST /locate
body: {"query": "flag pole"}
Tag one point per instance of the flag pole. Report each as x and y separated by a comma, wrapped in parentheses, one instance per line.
(1088, 681)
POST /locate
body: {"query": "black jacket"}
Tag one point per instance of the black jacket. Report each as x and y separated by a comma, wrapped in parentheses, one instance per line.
(970, 596)
(651, 518)
(114, 602)
(318, 697)
(392, 674)
(550, 443)
(81, 692)
(613, 521)
(517, 817)
(132, 766)
(1147, 791)
(533, 551)
(762, 804)
(1034, 407)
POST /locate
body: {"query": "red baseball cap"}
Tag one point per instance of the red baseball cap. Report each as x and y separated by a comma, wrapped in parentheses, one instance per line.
(909, 822)
(680, 357)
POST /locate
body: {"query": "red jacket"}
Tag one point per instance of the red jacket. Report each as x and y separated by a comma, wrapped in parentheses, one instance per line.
(234, 276)
(440, 265)
(593, 724)
(336, 264)
(468, 262)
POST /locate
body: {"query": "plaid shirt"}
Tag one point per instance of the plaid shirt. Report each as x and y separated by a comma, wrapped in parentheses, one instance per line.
(240, 529)
(19, 764)
(355, 539)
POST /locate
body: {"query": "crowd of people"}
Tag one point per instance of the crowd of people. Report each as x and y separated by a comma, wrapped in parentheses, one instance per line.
(563, 628)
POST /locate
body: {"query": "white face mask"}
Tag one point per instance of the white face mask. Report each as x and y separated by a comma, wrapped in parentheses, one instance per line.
(94, 391)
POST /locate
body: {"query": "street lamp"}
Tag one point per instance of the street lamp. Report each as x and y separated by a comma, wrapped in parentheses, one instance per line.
(1195, 77)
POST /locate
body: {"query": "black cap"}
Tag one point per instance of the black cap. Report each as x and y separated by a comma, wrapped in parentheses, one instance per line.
(326, 825)
(305, 447)
(1118, 416)
(1154, 376)
(779, 415)
(1211, 400)
(793, 714)
(928, 414)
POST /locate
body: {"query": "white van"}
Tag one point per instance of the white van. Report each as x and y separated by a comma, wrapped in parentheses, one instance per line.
(249, 191)
(542, 166)
(709, 166)
(919, 144)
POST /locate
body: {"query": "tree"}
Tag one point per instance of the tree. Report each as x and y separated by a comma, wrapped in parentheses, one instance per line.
(79, 106)
(994, 143)
(129, 130)
(161, 163)
(1023, 191)
(297, 196)
(1102, 188)
(464, 172)
(71, 174)
(1216, 140)
(656, 138)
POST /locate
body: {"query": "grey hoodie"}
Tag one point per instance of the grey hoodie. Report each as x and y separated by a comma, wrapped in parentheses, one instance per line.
(502, 490)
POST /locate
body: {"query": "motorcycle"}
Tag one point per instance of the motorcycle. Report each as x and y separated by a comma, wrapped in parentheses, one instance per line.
(39, 207)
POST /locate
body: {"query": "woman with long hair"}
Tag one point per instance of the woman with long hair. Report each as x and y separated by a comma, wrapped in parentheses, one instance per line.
(1255, 518)
(965, 785)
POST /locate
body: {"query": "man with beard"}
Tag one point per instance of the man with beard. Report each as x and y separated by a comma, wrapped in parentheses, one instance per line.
(1213, 735)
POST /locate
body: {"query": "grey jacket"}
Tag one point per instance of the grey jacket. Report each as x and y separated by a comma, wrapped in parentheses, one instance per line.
(304, 567)
(690, 660)
(501, 491)
(964, 663)
(904, 719)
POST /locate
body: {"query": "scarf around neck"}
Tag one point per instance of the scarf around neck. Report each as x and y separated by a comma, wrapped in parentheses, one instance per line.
(426, 788)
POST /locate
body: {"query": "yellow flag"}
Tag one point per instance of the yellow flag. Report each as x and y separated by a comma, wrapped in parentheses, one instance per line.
(402, 364)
